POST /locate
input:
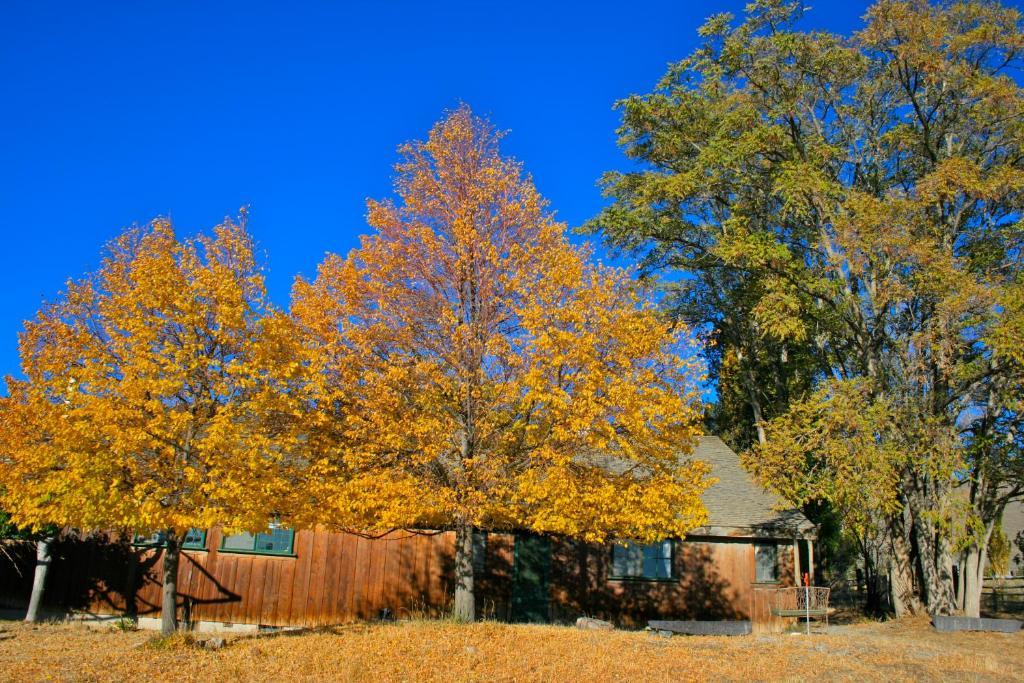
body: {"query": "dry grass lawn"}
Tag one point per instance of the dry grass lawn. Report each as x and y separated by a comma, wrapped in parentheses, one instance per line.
(429, 651)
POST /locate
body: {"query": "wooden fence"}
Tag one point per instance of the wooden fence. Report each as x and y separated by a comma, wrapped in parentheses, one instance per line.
(1003, 596)
(333, 578)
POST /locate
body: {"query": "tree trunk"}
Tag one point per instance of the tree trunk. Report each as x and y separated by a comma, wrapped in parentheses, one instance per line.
(972, 571)
(961, 581)
(944, 601)
(43, 559)
(872, 592)
(755, 405)
(465, 598)
(902, 595)
(169, 603)
(935, 561)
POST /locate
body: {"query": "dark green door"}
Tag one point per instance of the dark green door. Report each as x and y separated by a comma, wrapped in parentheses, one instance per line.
(530, 575)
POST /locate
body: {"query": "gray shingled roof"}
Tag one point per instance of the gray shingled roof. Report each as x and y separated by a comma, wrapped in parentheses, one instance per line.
(737, 505)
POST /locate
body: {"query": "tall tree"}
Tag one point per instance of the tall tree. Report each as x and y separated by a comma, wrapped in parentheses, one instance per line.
(857, 199)
(470, 369)
(141, 386)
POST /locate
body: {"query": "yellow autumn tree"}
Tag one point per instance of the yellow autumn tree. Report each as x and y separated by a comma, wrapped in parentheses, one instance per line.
(471, 369)
(148, 395)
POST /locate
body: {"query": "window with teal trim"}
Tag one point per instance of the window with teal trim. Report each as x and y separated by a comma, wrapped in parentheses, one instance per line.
(272, 542)
(195, 539)
(642, 561)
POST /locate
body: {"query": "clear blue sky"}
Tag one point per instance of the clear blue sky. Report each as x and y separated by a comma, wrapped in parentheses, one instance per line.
(112, 114)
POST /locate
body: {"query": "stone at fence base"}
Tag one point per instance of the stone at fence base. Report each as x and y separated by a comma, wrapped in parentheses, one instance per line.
(949, 624)
(212, 643)
(593, 624)
(702, 628)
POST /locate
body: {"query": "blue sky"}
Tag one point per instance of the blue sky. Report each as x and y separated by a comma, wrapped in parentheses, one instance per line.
(113, 114)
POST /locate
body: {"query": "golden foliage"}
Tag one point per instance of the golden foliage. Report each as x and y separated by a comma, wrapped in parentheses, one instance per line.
(469, 366)
(143, 391)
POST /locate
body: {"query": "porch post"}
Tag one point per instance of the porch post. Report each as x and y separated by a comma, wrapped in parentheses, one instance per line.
(796, 562)
(810, 561)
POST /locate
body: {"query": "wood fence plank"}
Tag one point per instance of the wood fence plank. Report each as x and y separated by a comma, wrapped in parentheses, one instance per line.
(210, 591)
(378, 558)
(229, 569)
(360, 577)
(188, 588)
(241, 588)
(257, 585)
(399, 571)
(332, 567)
(423, 552)
(391, 585)
(270, 587)
(318, 559)
(346, 567)
(285, 585)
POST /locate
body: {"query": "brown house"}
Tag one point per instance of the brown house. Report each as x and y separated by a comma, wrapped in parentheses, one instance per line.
(316, 577)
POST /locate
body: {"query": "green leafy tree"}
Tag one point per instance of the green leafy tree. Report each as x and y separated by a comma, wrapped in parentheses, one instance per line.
(847, 210)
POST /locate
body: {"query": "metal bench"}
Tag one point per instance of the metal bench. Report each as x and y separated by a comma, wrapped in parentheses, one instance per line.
(801, 602)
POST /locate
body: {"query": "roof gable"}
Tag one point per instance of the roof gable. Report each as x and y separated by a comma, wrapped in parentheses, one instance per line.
(737, 505)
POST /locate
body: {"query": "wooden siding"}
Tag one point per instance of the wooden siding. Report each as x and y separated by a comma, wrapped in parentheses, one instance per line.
(333, 578)
(714, 580)
(337, 577)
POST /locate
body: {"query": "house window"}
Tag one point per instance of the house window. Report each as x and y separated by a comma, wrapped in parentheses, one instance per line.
(642, 561)
(195, 539)
(272, 542)
(766, 563)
